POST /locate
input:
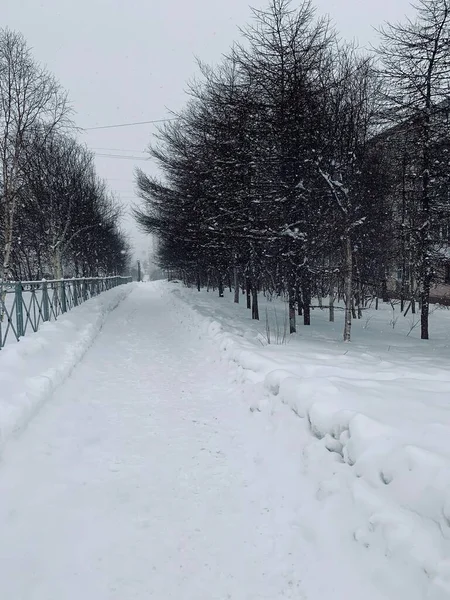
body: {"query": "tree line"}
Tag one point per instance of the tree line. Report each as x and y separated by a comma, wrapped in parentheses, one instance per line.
(57, 217)
(303, 167)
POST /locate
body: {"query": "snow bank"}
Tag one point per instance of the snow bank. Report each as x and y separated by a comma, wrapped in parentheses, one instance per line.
(379, 418)
(31, 369)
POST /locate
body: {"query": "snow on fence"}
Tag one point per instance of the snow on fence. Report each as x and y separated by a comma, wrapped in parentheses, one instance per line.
(25, 305)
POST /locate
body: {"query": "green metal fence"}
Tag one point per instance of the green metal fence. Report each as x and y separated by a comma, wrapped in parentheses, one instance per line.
(25, 305)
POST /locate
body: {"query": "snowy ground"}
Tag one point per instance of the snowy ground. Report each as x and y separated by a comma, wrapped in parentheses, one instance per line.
(30, 370)
(378, 414)
(180, 456)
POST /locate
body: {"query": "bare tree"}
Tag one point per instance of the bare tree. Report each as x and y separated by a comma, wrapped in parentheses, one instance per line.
(58, 180)
(350, 110)
(416, 70)
(30, 98)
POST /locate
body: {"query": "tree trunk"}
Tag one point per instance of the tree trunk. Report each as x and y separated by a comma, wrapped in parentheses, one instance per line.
(348, 285)
(425, 227)
(255, 310)
(248, 291)
(306, 295)
(359, 297)
(220, 285)
(331, 307)
(292, 325)
(403, 230)
(6, 268)
(199, 283)
(425, 302)
(57, 263)
(384, 291)
(236, 284)
(299, 301)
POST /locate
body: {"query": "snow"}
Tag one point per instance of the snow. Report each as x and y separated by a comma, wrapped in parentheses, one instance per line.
(30, 370)
(176, 454)
(378, 415)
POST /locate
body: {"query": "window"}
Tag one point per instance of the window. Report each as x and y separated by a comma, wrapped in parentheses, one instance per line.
(400, 272)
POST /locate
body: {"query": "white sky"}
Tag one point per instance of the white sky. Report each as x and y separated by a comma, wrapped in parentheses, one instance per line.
(129, 60)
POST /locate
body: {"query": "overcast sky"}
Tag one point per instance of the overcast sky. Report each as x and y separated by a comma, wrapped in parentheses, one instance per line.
(129, 60)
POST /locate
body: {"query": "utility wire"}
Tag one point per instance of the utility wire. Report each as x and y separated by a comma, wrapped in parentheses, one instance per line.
(120, 156)
(128, 124)
(120, 150)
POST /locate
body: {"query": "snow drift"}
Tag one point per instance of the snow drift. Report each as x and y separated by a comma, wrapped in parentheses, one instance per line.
(379, 417)
(31, 369)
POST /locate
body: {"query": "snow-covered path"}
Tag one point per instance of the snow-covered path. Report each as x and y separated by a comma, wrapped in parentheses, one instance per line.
(146, 476)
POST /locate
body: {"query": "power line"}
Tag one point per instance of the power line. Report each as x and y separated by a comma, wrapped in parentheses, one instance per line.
(128, 124)
(120, 156)
(120, 179)
(119, 150)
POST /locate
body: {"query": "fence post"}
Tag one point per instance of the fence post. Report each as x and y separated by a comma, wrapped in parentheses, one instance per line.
(19, 310)
(75, 292)
(63, 297)
(84, 290)
(45, 305)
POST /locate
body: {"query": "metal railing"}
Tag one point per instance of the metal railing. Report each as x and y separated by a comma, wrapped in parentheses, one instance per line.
(25, 305)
